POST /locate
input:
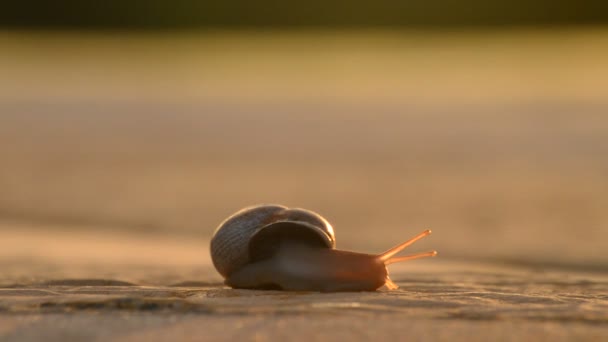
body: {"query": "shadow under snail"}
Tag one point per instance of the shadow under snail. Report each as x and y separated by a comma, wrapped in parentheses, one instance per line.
(275, 247)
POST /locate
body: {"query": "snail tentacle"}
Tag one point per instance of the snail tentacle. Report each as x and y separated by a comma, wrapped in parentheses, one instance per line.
(394, 250)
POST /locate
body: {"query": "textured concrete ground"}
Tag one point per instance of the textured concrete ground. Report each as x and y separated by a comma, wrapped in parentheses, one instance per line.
(437, 300)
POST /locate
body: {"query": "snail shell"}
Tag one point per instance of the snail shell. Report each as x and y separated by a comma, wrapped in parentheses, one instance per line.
(254, 233)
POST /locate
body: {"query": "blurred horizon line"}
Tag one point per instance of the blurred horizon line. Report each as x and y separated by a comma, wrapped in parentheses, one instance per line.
(158, 14)
(295, 29)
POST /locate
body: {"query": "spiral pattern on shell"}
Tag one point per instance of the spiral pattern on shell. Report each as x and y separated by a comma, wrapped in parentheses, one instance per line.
(254, 233)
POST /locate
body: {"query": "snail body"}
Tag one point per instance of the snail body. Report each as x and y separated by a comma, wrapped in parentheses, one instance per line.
(274, 247)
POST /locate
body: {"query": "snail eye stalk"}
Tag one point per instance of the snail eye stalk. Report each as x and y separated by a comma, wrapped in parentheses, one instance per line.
(410, 257)
(386, 256)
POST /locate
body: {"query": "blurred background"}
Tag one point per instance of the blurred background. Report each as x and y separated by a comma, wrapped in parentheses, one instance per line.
(130, 129)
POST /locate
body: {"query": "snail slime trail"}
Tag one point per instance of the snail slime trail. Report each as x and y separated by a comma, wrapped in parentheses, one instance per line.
(272, 246)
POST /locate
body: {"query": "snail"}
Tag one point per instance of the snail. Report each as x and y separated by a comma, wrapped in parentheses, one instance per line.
(275, 247)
